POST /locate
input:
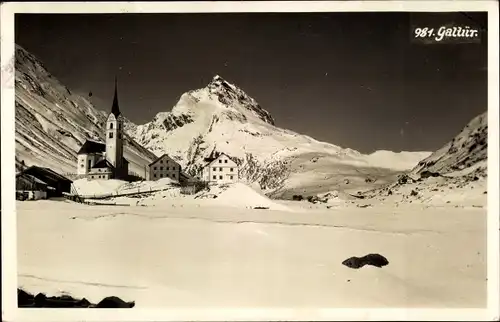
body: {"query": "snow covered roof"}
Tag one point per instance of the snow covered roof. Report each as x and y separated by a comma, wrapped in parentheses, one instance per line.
(92, 147)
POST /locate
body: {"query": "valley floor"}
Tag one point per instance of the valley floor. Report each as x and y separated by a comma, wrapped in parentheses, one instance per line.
(202, 254)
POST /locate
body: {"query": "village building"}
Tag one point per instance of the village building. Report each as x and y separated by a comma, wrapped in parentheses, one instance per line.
(105, 161)
(164, 167)
(43, 183)
(220, 169)
(30, 188)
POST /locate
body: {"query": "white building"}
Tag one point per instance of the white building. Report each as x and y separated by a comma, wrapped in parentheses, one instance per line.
(164, 167)
(105, 161)
(220, 169)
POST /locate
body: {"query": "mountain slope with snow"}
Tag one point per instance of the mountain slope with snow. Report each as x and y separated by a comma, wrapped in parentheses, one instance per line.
(223, 118)
(52, 122)
(460, 166)
(468, 151)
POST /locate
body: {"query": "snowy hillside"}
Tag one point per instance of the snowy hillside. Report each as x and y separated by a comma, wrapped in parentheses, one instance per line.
(466, 152)
(52, 122)
(459, 166)
(223, 118)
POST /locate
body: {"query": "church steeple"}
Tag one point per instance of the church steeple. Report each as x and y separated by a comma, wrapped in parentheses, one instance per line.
(115, 109)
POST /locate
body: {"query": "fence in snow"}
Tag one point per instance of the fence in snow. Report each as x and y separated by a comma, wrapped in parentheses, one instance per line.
(123, 194)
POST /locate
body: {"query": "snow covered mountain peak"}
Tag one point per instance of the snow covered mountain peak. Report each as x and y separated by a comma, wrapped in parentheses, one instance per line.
(222, 118)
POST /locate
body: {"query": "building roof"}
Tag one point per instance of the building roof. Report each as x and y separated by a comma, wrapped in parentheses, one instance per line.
(32, 178)
(157, 159)
(211, 159)
(92, 147)
(104, 163)
(115, 109)
(45, 174)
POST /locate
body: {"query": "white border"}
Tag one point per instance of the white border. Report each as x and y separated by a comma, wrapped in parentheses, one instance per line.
(9, 277)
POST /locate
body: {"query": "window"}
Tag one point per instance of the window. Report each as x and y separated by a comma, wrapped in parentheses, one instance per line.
(161, 175)
(161, 168)
(119, 135)
(231, 177)
(231, 169)
(110, 135)
(90, 163)
(82, 165)
(173, 175)
(154, 175)
(215, 177)
(215, 168)
(220, 169)
(168, 168)
(225, 161)
(220, 177)
(119, 126)
(111, 125)
(154, 168)
(161, 161)
(220, 161)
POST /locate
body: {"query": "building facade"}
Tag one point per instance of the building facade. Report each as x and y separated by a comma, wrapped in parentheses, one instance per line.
(164, 167)
(220, 169)
(89, 154)
(101, 170)
(105, 161)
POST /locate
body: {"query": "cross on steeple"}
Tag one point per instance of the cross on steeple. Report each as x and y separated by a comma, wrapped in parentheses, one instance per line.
(115, 109)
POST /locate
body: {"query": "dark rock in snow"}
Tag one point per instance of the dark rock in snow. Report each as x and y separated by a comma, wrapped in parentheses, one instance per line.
(370, 259)
(25, 299)
(114, 302)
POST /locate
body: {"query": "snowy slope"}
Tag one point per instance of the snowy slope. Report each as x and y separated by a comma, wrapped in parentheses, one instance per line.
(460, 166)
(223, 118)
(466, 152)
(52, 122)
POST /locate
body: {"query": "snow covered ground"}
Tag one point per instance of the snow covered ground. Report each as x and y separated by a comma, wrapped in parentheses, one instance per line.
(85, 187)
(172, 250)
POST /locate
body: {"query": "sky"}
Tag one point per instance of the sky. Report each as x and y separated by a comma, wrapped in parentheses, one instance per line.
(357, 80)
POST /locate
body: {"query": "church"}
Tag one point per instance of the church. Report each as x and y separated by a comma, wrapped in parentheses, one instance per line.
(105, 161)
